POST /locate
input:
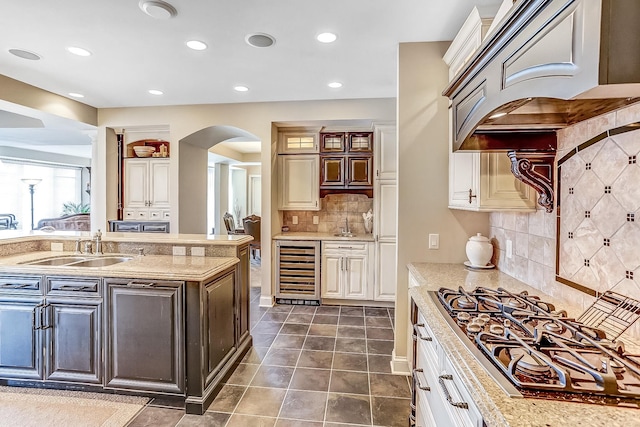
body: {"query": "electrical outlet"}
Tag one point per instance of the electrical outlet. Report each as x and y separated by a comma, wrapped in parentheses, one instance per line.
(294, 219)
(434, 241)
(316, 220)
(509, 249)
(197, 251)
(57, 247)
(179, 251)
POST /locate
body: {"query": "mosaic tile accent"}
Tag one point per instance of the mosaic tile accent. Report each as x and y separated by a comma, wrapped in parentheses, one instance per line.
(570, 190)
(632, 160)
(586, 257)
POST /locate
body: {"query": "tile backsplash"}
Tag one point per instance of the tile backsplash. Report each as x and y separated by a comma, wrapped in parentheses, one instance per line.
(331, 218)
(600, 224)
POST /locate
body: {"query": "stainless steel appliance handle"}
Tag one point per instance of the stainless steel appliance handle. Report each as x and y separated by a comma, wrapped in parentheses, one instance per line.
(416, 329)
(417, 382)
(441, 378)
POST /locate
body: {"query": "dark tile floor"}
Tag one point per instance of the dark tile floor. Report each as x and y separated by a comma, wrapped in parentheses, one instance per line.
(309, 367)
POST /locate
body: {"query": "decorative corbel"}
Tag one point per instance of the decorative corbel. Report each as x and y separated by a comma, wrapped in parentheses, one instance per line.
(535, 170)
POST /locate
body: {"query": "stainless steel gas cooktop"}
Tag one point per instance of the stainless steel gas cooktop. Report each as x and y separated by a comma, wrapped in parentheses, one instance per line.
(543, 352)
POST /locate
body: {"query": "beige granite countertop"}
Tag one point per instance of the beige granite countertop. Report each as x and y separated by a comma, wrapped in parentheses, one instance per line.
(300, 235)
(497, 408)
(9, 236)
(196, 268)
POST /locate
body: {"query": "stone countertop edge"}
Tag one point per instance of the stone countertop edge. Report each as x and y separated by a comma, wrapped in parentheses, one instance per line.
(193, 268)
(301, 235)
(161, 238)
(496, 407)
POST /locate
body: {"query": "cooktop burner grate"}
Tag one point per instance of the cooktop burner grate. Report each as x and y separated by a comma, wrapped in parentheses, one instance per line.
(612, 313)
(540, 350)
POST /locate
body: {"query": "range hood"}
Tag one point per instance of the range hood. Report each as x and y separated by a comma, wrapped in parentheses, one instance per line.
(547, 65)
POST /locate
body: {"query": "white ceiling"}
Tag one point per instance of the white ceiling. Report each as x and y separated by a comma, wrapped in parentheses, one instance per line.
(133, 52)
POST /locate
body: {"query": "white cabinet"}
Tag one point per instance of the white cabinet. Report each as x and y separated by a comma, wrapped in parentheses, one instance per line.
(347, 270)
(146, 189)
(484, 182)
(386, 152)
(481, 181)
(292, 141)
(385, 215)
(440, 397)
(299, 182)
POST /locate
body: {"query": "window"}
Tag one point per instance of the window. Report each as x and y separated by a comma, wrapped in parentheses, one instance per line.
(60, 184)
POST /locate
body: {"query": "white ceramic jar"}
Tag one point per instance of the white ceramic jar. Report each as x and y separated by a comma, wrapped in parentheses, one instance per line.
(479, 250)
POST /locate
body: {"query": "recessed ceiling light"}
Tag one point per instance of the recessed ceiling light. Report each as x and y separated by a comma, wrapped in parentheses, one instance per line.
(158, 9)
(196, 45)
(326, 37)
(25, 54)
(260, 40)
(240, 88)
(155, 92)
(335, 85)
(78, 51)
(76, 95)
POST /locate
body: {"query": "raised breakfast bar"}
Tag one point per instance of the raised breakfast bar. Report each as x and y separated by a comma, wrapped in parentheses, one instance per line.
(135, 318)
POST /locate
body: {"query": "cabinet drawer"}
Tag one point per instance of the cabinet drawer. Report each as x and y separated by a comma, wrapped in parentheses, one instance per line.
(21, 284)
(74, 285)
(126, 226)
(341, 246)
(153, 214)
(155, 228)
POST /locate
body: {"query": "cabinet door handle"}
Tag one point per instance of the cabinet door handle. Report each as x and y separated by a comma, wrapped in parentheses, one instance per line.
(417, 382)
(471, 195)
(43, 317)
(416, 329)
(449, 377)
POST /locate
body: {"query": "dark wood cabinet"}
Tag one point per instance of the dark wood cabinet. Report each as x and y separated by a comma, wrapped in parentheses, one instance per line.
(360, 142)
(74, 340)
(346, 163)
(220, 322)
(332, 142)
(145, 335)
(51, 332)
(332, 171)
(20, 338)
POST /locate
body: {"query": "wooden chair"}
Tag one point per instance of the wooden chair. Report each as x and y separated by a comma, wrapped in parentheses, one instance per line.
(252, 227)
(230, 224)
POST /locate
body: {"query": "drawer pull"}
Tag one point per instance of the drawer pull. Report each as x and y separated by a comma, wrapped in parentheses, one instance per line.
(74, 288)
(417, 380)
(15, 285)
(345, 247)
(416, 329)
(141, 285)
(441, 378)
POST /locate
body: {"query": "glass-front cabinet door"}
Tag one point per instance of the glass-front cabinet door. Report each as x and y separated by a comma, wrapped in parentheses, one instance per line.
(332, 142)
(361, 142)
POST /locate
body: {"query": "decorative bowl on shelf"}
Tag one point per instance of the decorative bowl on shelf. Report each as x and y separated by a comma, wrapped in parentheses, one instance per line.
(144, 151)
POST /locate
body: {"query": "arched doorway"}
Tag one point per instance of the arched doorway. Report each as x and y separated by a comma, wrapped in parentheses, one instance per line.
(192, 172)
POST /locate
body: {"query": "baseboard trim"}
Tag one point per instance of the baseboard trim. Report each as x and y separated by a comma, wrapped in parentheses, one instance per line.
(399, 364)
(266, 301)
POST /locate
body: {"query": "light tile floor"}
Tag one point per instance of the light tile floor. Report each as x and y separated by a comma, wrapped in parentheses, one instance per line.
(309, 367)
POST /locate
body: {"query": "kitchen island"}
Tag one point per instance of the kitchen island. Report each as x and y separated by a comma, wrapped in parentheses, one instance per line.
(494, 405)
(149, 323)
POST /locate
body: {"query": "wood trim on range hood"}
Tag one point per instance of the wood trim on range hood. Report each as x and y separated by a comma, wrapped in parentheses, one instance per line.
(547, 67)
(549, 64)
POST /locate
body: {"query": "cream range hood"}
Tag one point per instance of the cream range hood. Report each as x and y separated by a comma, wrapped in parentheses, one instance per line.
(548, 64)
